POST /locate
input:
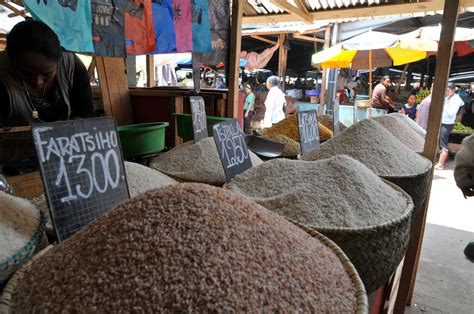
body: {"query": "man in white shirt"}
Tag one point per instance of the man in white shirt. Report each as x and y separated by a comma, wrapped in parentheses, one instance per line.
(274, 103)
(452, 103)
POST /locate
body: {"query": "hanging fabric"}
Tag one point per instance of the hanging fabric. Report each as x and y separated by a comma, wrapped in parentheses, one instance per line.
(183, 25)
(219, 17)
(139, 28)
(70, 20)
(164, 26)
(201, 26)
(108, 27)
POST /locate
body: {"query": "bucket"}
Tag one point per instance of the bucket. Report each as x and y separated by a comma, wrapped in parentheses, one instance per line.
(185, 125)
(142, 139)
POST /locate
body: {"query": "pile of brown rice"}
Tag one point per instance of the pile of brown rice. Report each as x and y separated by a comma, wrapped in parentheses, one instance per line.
(198, 162)
(188, 248)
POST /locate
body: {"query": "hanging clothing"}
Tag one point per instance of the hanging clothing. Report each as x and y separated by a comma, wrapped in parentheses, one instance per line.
(139, 28)
(163, 16)
(108, 28)
(201, 26)
(71, 21)
(258, 60)
(183, 25)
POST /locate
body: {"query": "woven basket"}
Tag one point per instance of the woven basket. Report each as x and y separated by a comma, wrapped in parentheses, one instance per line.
(11, 264)
(375, 251)
(415, 185)
(362, 307)
(7, 296)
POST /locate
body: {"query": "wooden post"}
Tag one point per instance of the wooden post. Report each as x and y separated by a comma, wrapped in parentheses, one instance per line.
(322, 97)
(234, 62)
(176, 106)
(150, 71)
(114, 87)
(443, 64)
(370, 85)
(282, 60)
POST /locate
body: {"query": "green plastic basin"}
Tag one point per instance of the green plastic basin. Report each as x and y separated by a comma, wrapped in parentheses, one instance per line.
(142, 139)
(185, 125)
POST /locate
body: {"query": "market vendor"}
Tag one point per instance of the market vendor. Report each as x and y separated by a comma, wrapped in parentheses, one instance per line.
(40, 82)
(274, 104)
(380, 99)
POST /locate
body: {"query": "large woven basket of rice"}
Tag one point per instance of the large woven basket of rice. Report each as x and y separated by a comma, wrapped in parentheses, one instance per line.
(376, 250)
(12, 263)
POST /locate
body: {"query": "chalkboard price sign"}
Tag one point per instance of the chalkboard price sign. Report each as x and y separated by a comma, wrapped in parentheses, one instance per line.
(198, 114)
(82, 169)
(230, 142)
(308, 128)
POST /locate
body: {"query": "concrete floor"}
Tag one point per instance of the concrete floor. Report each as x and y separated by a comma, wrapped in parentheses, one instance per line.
(445, 280)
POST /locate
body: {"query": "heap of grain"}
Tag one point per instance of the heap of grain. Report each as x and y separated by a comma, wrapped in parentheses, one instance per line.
(292, 148)
(374, 146)
(191, 248)
(327, 121)
(195, 162)
(289, 128)
(412, 124)
(335, 194)
(401, 131)
(141, 179)
(19, 220)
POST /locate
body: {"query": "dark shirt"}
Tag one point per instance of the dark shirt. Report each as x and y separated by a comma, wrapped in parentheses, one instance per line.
(53, 107)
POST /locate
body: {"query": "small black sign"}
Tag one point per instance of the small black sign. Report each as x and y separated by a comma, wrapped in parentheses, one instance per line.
(230, 142)
(308, 128)
(82, 169)
(198, 113)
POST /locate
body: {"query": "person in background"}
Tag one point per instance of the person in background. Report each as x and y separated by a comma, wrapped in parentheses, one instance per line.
(452, 104)
(38, 81)
(409, 108)
(248, 106)
(274, 104)
(380, 99)
(423, 111)
(464, 176)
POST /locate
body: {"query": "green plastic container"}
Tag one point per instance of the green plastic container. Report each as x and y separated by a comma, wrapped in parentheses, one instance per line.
(142, 139)
(185, 125)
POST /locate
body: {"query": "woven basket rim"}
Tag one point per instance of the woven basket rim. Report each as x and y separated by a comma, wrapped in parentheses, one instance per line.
(36, 237)
(422, 173)
(361, 294)
(6, 299)
(374, 228)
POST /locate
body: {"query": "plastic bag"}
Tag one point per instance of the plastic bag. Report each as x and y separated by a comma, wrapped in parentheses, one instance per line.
(70, 20)
(139, 28)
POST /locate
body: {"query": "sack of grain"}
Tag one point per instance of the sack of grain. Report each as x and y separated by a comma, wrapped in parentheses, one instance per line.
(412, 124)
(402, 131)
(190, 248)
(327, 121)
(289, 128)
(21, 229)
(292, 148)
(374, 146)
(198, 162)
(341, 198)
(141, 178)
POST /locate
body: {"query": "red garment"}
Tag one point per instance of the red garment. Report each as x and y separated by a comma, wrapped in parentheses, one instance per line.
(183, 25)
(463, 48)
(258, 60)
(139, 29)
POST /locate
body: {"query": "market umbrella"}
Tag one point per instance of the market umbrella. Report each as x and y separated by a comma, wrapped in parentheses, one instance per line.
(374, 49)
(463, 38)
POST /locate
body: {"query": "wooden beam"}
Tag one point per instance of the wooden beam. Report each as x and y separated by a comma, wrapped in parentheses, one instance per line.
(307, 38)
(322, 97)
(263, 39)
(248, 9)
(12, 8)
(150, 71)
(278, 32)
(282, 60)
(297, 12)
(445, 52)
(312, 31)
(114, 88)
(234, 62)
(362, 12)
